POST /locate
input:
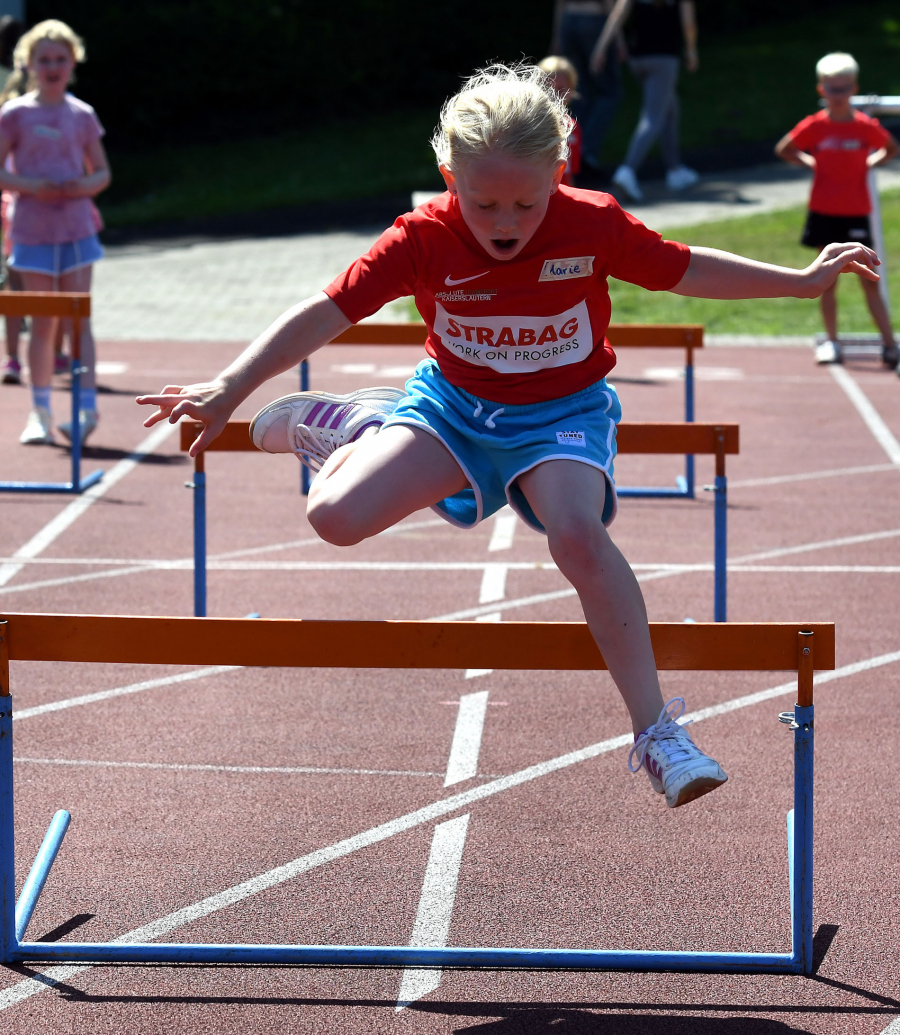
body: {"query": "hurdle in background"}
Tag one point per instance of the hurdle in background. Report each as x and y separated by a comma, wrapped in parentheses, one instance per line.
(75, 307)
(406, 645)
(656, 439)
(620, 335)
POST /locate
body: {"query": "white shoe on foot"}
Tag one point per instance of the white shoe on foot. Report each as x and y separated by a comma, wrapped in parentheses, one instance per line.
(681, 177)
(828, 352)
(674, 763)
(625, 178)
(87, 424)
(313, 425)
(38, 428)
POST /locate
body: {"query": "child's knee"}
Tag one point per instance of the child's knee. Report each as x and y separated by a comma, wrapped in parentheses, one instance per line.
(578, 544)
(332, 519)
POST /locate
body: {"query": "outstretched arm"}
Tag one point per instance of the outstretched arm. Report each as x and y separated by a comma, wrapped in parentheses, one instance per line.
(295, 335)
(614, 23)
(717, 274)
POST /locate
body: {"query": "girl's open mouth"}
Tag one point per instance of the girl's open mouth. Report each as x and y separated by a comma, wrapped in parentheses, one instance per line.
(504, 246)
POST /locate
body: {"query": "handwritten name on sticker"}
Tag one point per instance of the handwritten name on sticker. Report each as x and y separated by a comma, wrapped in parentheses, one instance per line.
(571, 438)
(567, 269)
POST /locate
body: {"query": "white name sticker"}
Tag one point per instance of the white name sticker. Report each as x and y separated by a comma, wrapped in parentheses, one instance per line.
(517, 344)
(567, 269)
(571, 438)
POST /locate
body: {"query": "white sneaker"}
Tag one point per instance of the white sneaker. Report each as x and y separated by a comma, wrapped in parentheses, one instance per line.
(625, 178)
(828, 352)
(87, 424)
(38, 428)
(313, 425)
(681, 177)
(674, 763)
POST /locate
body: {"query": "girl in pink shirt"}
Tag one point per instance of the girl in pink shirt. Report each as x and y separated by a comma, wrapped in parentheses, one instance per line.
(58, 165)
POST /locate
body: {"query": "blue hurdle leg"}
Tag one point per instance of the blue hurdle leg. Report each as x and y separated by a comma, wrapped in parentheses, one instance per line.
(802, 847)
(304, 387)
(199, 487)
(720, 562)
(689, 417)
(40, 870)
(8, 942)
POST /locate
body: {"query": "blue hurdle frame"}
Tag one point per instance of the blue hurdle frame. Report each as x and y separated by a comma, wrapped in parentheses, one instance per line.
(16, 915)
(77, 485)
(719, 489)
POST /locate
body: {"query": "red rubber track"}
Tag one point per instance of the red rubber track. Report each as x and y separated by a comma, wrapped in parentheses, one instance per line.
(586, 856)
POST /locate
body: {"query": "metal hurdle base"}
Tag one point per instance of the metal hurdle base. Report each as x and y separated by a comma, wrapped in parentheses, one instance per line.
(798, 961)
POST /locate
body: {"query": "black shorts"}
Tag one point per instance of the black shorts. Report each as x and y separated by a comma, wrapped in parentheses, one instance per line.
(821, 230)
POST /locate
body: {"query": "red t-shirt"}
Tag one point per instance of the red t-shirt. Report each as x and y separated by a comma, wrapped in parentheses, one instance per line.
(840, 150)
(522, 330)
(573, 165)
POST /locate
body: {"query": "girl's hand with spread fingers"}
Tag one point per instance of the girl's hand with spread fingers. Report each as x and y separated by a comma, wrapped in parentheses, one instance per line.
(206, 403)
(835, 259)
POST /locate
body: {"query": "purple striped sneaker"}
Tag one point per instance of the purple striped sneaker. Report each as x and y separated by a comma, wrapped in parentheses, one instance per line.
(674, 763)
(312, 425)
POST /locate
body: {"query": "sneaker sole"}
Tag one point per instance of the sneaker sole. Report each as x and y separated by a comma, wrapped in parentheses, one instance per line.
(358, 396)
(696, 789)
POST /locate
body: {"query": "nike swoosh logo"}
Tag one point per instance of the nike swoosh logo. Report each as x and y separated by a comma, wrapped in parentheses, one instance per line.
(450, 282)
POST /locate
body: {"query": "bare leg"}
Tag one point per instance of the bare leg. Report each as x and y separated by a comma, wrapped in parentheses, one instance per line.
(80, 280)
(567, 497)
(372, 484)
(828, 302)
(13, 323)
(879, 311)
(43, 328)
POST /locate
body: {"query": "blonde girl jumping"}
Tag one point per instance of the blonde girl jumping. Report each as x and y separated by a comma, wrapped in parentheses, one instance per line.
(509, 271)
(58, 165)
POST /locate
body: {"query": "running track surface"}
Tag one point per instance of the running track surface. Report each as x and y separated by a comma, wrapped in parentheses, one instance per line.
(181, 790)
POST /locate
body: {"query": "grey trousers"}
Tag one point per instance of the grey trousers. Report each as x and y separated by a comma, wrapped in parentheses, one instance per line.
(658, 76)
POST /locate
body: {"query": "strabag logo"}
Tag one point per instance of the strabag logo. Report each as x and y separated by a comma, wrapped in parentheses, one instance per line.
(517, 344)
(567, 269)
(571, 438)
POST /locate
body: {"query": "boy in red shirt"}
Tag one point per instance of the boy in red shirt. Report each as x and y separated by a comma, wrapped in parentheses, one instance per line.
(840, 145)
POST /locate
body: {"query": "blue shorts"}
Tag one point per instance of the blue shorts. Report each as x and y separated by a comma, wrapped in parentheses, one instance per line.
(56, 259)
(495, 444)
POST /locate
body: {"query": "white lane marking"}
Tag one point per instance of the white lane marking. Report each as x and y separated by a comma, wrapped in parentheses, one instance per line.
(120, 691)
(285, 770)
(504, 530)
(808, 476)
(700, 373)
(109, 573)
(432, 926)
(893, 1028)
(493, 583)
(463, 761)
(110, 367)
(67, 517)
(419, 817)
(883, 434)
(821, 569)
(473, 673)
(824, 544)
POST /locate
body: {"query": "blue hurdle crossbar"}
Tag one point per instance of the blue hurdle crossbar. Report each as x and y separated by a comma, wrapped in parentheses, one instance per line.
(649, 438)
(511, 645)
(69, 305)
(620, 335)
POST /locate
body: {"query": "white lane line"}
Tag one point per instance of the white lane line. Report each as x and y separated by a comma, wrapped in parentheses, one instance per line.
(823, 544)
(120, 691)
(463, 761)
(493, 583)
(286, 770)
(893, 1028)
(820, 569)
(419, 817)
(473, 673)
(504, 530)
(67, 517)
(432, 926)
(808, 476)
(883, 434)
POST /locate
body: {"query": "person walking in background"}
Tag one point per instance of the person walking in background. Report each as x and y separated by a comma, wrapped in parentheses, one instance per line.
(12, 84)
(59, 165)
(840, 145)
(657, 31)
(563, 78)
(577, 25)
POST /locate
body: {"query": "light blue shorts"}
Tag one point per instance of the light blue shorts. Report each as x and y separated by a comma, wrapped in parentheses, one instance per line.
(56, 259)
(495, 444)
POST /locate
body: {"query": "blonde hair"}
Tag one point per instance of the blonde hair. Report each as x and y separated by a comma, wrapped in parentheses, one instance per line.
(510, 110)
(836, 64)
(555, 65)
(53, 30)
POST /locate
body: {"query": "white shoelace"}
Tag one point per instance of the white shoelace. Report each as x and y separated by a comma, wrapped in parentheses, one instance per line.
(666, 732)
(489, 421)
(309, 448)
